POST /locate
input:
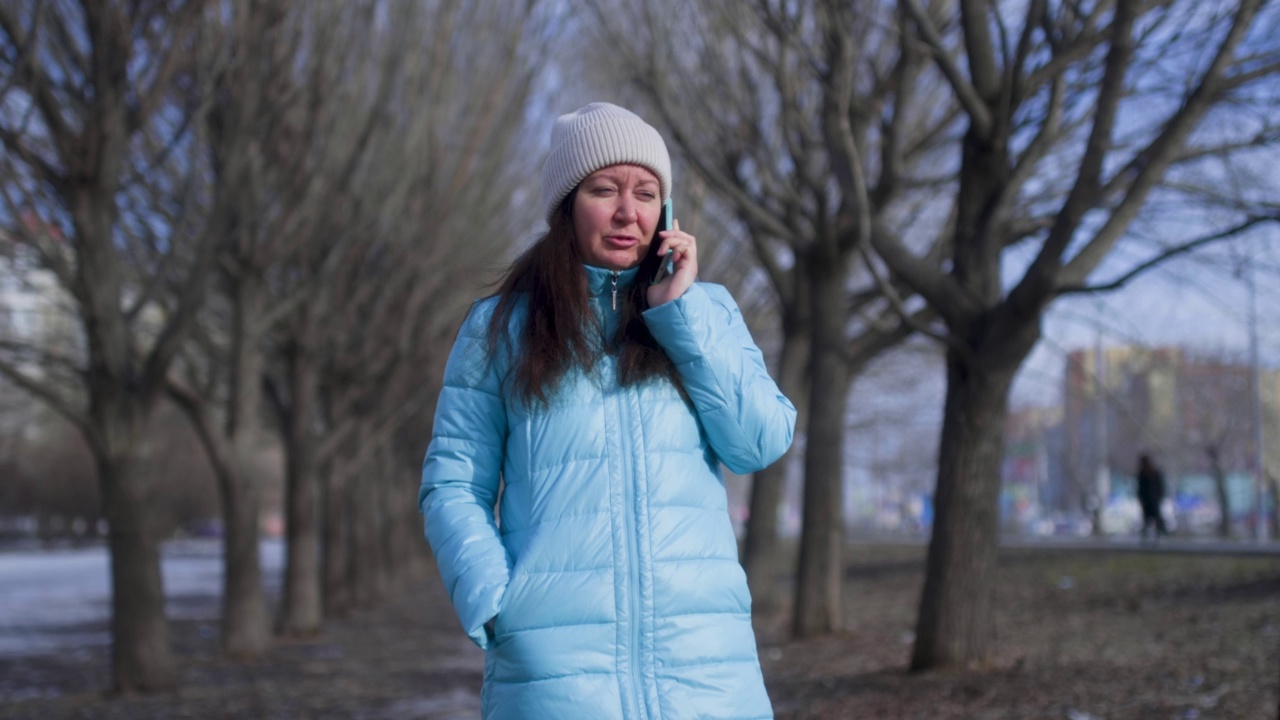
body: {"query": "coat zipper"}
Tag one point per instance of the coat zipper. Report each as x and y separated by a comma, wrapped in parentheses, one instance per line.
(633, 564)
(633, 543)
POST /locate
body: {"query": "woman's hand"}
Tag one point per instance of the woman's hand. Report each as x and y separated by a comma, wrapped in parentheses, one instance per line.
(685, 257)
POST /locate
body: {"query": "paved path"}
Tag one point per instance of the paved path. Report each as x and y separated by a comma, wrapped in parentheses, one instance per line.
(1188, 545)
(1202, 546)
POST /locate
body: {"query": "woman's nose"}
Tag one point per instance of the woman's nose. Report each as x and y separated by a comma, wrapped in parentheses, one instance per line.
(626, 211)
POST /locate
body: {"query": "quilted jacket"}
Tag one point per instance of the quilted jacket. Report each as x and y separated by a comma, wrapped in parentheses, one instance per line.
(613, 578)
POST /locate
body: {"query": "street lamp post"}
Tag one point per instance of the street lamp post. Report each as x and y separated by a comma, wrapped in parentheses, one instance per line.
(1260, 471)
(1102, 468)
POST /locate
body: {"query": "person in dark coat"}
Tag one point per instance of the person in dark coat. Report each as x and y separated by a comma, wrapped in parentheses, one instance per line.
(1150, 495)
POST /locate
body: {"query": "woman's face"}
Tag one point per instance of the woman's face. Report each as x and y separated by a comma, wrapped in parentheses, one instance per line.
(615, 213)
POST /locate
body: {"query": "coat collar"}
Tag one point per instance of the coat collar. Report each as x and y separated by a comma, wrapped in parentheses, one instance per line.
(600, 280)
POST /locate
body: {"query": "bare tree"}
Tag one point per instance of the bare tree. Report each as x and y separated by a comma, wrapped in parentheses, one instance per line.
(1218, 422)
(400, 311)
(260, 172)
(347, 88)
(1056, 163)
(389, 252)
(793, 113)
(102, 109)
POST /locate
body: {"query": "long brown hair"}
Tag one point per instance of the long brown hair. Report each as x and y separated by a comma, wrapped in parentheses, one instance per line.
(560, 331)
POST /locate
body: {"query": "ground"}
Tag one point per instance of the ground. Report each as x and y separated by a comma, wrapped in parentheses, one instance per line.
(1083, 635)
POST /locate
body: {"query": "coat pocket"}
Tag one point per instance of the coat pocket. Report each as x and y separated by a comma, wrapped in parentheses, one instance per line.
(509, 607)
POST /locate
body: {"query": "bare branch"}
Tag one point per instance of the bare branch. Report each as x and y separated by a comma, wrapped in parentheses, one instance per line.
(977, 109)
(51, 397)
(909, 321)
(846, 158)
(1039, 280)
(935, 286)
(1013, 79)
(39, 84)
(1149, 165)
(1168, 254)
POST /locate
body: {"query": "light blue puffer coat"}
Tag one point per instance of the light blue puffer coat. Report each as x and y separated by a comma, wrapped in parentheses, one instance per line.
(614, 577)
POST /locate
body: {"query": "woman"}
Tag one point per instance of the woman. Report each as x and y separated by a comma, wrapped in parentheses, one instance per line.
(605, 404)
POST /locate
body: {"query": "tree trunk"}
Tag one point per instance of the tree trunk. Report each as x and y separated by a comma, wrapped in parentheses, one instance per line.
(393, 496)
(817, 594)
(956, 625)
(386, 520)
(403, 536)
(385, 514)
(244, 614)
(762, 558)
(337, 541)
(141, 656)
(364, 566)
(246, 628)
(1274, 517)
(300, 610)
(1220, 487)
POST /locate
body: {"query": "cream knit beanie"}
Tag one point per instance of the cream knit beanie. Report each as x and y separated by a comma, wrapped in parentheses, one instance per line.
(594, 137)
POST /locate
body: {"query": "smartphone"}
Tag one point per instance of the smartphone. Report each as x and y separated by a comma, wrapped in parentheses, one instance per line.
(665, 265)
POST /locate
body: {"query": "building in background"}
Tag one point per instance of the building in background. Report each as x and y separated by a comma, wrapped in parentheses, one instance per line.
(38, 321)
(1191, 412)
(1035, 493)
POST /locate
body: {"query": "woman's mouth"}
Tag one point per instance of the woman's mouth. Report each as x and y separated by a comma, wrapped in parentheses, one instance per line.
(621, 241)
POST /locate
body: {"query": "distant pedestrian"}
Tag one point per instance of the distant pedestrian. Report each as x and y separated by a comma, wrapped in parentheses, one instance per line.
(1150, 495)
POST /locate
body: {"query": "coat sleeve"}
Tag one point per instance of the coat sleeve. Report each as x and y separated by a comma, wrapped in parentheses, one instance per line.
(746, 417)
(460, 481)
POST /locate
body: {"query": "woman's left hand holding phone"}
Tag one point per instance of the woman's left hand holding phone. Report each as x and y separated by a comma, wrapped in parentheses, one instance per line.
(684, 255)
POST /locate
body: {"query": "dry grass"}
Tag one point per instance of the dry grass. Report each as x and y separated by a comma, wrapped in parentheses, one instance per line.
(1082, 636)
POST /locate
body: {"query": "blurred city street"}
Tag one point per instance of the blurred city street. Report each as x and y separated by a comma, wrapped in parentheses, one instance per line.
(60, 600)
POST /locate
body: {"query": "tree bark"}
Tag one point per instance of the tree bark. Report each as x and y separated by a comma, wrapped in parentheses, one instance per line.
(301, 610)
(364, 567)
(140, 653)
(762, 558)
(956, 624)
(386, 520)
(402, 533)
(244, 617)
(337, 557)
(246, 628)
(118, 410)
(1220, 487)
(817, 593)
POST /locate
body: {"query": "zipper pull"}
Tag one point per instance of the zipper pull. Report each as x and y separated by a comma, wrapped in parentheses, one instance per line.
(615, 291)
